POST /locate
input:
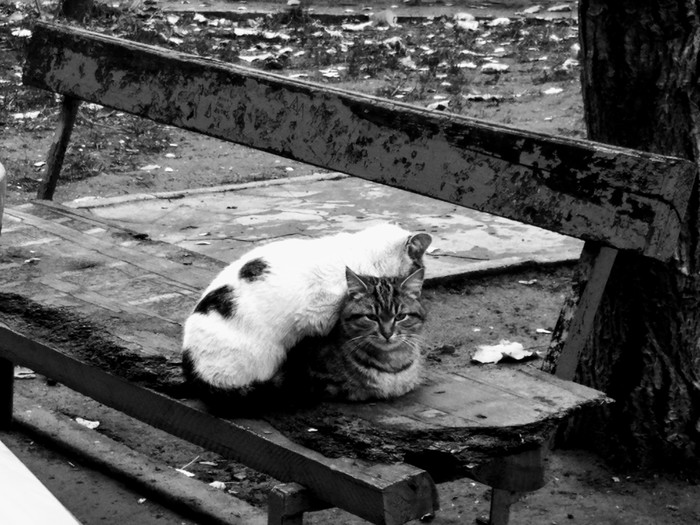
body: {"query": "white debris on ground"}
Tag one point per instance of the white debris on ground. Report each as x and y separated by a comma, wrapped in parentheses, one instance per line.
(495, 353)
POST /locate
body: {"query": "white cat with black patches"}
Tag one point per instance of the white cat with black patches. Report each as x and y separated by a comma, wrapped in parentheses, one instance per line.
(261, 305)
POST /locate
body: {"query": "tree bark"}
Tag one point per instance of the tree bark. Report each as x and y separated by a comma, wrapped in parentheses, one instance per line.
(639, 82)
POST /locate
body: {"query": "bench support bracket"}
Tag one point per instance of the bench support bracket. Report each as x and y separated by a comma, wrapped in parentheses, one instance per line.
(57, 150)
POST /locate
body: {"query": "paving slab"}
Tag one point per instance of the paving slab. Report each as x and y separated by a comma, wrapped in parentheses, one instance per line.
(227, 221)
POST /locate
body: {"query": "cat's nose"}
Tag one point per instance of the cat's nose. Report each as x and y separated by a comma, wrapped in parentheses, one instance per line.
(387, 330)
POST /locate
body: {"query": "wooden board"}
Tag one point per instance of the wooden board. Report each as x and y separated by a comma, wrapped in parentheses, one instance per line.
(391, 494)
(128, 321)
(622, 198)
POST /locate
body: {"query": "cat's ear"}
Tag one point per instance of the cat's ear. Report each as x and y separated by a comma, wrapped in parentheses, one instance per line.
(417, 244)
(355, 283)
(413, 284)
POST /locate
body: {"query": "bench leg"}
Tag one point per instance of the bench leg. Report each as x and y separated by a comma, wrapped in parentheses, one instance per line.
(7, 381)
(57, 151)
(501, 501)
(288, 502)
(510, 476)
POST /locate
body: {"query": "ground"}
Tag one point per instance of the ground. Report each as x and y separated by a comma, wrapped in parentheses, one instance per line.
(430, 62)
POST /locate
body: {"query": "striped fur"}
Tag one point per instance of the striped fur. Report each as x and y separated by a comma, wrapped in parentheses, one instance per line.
(374, 352)
(261, 305)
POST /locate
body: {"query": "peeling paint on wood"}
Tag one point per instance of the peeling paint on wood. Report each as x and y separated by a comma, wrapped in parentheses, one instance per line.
(623, 198)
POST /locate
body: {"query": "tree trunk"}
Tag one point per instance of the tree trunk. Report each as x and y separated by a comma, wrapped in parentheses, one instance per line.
(639, 81)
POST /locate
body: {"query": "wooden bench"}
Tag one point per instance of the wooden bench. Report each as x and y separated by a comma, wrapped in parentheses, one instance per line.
(492, 424)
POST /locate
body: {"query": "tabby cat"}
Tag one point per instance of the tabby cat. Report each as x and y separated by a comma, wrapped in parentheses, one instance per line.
(374, 351)
(261, 305)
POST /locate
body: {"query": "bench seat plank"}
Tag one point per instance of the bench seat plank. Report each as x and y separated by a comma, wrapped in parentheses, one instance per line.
(368, 491)
(111, 321)
(622, 198)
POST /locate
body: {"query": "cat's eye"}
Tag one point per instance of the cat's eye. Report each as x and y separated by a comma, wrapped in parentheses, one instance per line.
(401, 316)
(358, 317)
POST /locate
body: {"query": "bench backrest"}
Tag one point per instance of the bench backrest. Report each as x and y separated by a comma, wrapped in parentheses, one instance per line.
(622, 198)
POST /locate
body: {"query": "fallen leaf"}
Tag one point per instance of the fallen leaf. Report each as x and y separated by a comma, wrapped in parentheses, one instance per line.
(530, 10)
(185, 472)
(408, 63)
(330, 73)
(24, 373)
(528, 282)
(494, 67)
(21, 33)
(254, 58)
(28, 115)
(552, 91)
(218, 485)
(92, 425)
(559, 8)
(499, 22)
(494, 353)
(569, 64)
(357, 27)
(245, 31)
(466, 21)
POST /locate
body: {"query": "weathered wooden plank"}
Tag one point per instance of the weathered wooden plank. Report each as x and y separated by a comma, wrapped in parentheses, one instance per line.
(193, 278)
(479, 397)
(622, 198)
(391, 494)
(572, 337)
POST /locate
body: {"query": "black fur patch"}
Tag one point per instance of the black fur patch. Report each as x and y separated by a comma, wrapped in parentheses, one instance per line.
(250, 401)
(253, 270)
(220, 300)
(188, 366)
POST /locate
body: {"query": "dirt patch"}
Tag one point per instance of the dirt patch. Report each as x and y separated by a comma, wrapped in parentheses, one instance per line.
(429, 62)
